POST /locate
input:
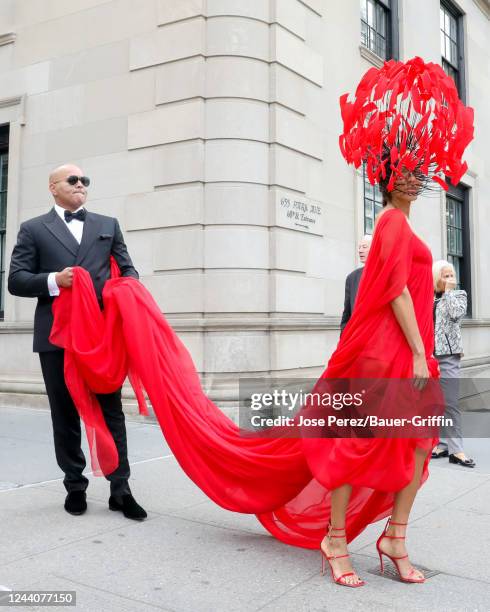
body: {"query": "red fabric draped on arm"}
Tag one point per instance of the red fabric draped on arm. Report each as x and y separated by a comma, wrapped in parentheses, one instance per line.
(373, 329)
(372, 346)
(95, 362)
(245, 475)
(285, 481)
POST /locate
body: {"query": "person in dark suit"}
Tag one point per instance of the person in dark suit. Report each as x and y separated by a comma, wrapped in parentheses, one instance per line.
(352, 281)
(47, 248)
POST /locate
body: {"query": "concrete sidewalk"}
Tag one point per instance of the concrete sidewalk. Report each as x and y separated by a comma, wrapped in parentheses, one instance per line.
(192, 556)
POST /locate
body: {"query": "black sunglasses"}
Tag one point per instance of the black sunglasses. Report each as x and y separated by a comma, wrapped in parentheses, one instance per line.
(73, 180)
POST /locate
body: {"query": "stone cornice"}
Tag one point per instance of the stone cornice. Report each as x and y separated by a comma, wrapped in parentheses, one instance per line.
(195, 324)
(16, 101)
(12, 101)
(239, 324)
(475, 322)
(6, 327)
(484, 6)
(371, 57)
(8, 38)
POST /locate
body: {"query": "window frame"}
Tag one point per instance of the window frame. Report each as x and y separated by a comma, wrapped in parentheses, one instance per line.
(390, 8)
(4, 149)
(461, 194)
(373, 201)
(458, 15)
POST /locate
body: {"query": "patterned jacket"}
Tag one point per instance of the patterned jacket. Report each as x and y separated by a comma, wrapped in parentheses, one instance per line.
(449, 309)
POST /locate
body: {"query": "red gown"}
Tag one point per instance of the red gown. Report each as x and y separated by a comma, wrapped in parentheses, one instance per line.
(286, 482)
(372, 346)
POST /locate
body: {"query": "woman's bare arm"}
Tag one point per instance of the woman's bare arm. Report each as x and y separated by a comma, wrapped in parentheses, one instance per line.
(405, 315)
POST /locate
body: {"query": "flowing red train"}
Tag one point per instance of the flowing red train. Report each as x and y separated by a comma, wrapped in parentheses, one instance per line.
(286, 482)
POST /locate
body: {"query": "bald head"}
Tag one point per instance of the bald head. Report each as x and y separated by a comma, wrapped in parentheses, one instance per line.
(66, 195)
(63, 171)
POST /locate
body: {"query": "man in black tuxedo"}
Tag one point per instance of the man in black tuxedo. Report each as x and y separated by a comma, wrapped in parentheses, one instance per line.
(352, 281)
(47, 248)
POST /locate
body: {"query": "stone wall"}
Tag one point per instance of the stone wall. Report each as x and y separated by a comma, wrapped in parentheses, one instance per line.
(210, 129)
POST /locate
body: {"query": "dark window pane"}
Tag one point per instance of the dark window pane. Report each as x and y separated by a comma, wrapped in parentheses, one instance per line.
(375, 26)
(3, 211)
(383, 51)
(450, 48)
(447, 48)
(364, 10)
(3, 215)
(381, 20)
(372, 203)
(450, 213)
(448, 69)
(458, 215)
(3, 171)
(368, 189)
(368, 209)
(370, 11)
(372, 40)
(453, 31)
(456, 237)
(454, 54)
(446, 22)
(450, 240)
(364, 34)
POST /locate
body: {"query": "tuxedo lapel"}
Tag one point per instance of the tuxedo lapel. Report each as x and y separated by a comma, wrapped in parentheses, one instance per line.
(91, 228)
(58, 229)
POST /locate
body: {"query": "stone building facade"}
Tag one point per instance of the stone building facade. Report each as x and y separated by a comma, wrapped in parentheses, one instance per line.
(210, 129)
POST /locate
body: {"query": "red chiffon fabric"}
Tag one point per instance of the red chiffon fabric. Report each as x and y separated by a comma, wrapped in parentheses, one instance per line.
(286, 482)
(371, 346)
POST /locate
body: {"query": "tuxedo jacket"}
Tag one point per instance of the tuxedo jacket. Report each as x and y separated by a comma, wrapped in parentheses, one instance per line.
(351, 287)
(45, 244)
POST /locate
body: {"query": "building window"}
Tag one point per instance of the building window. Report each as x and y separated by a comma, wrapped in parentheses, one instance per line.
(373, 203)
(4, 144)
(458, 243)
(379, 27)
(452, 44)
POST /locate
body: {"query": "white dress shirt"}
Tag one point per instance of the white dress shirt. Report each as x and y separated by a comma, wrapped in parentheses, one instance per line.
(76, 228)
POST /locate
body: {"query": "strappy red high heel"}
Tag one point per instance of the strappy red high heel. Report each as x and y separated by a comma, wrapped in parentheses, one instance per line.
(338, 579)
(394, 560)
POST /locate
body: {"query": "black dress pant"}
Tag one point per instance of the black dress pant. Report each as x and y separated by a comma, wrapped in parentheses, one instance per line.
(67, 431)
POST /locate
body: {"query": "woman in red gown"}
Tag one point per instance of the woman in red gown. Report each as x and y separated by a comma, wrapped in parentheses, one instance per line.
(295, 486)
(390, 335)
(298, 487)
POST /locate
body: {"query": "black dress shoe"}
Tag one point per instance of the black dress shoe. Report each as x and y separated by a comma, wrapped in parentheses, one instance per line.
(76, 502)
(128, 506)
(441, 453)
(465, 462)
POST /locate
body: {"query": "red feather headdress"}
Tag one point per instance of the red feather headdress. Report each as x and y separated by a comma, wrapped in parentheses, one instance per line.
(407, 115)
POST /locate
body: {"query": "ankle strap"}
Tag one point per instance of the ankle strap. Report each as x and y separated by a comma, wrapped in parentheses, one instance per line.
(332, 528)
(391, 537)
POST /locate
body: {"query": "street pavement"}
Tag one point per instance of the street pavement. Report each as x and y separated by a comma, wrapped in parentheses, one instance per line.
(192, 556)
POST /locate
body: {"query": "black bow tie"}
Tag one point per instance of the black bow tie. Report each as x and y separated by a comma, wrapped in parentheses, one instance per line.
(80, 215)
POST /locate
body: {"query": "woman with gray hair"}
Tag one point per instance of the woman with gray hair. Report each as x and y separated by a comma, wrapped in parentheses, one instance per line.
(449, 308)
